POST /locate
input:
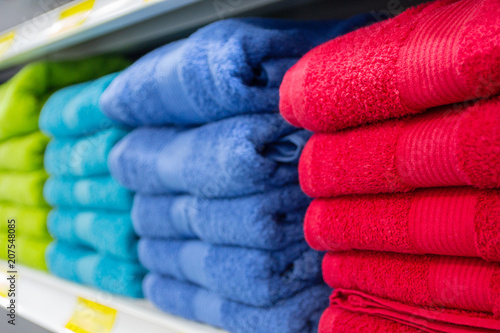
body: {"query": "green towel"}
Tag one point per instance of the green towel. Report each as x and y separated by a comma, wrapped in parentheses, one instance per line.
(24, 188)
(29, 251)
(30, 221)
(22, 97)
(23, 153)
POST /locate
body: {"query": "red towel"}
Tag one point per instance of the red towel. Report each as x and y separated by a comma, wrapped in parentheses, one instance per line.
(450, 146)
(430, 281)
(435, 54)
(336, 320)
(353, 311)
(455, 221)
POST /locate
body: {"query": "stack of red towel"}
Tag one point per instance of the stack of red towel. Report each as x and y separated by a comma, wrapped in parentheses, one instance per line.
(408, 204)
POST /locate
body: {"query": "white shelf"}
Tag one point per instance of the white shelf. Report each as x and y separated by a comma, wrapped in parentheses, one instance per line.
(87, 27)
(50, 302)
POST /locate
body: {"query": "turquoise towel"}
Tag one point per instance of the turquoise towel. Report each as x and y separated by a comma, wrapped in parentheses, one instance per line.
(110, 233)
(84, 266)
(83, 156)
(87, 193)
(74, 111)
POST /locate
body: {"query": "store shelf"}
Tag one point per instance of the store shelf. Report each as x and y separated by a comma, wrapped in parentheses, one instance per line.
(111, 26)
(52, 303)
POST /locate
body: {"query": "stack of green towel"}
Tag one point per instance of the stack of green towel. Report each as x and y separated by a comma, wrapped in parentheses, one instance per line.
(22, 148)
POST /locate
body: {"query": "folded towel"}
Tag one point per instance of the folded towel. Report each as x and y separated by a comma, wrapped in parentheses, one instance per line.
(87, 193)
(270, 220)
(22, 97)
(23, 188)
(84, 266)
(74, 110)
(336, 320)
(374, 312)
(438, 53)
(299, 314)
(430, 281)
(250, 276)
(29, 251)
(451, 146)
(82, 156)
(459, 221)
(30, 221)
(227, 68)
(23, 153)
(232, 157)
(107, 233)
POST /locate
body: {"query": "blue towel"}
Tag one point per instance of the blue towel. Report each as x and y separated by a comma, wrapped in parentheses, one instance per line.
(108, 233)
(101, 192)
(299, 314)
(271, 220)
(232, 157)
(74, 111)
(227, 68)
(83, 156)
(84, 266)
(250, 276)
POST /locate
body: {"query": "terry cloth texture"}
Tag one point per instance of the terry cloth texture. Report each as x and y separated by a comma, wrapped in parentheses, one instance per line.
(299, 314)
(84, 266)
(22, 97)
(271, 220)
(438, 53)
(249, 276)
(104, 232)
(451, 146)
(461, 221)
(233, 157)
(373, 312)
(430, 281)
(227, 68)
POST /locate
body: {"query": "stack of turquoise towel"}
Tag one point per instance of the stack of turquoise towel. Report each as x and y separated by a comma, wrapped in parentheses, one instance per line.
(218, 208)
(95, 243)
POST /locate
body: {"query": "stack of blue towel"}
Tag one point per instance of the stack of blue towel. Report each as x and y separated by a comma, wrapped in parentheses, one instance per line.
(218, 209)
(95, 243)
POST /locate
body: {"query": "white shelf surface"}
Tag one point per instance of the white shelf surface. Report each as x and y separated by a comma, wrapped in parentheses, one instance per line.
(50, 302)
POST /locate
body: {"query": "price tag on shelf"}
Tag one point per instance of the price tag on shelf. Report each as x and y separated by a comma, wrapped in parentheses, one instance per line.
(91, 317)
(73, 16)
(6, 41)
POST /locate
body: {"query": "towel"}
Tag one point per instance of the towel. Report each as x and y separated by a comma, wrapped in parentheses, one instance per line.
(24, 188)
(232, 157)
(451, 146)
(430, 281)
(271, 220)
(104, 232)
(250, 276)
(83, 156)
(101, 192)
(401, 317)
(74, 110)
(84, 266)
(439, 53)
(227, 68)
(23, 153)
(299, 314)
(22, 97)
(29, 250)
(460, 221)
(30, 221)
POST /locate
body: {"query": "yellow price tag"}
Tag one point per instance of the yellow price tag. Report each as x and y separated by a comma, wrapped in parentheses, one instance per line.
(6, 41)
(91, 317)
(74, 16)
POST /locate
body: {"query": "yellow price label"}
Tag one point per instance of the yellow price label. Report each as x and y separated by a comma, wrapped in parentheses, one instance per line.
(74, 16)
(6, 41)
(91, 317)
